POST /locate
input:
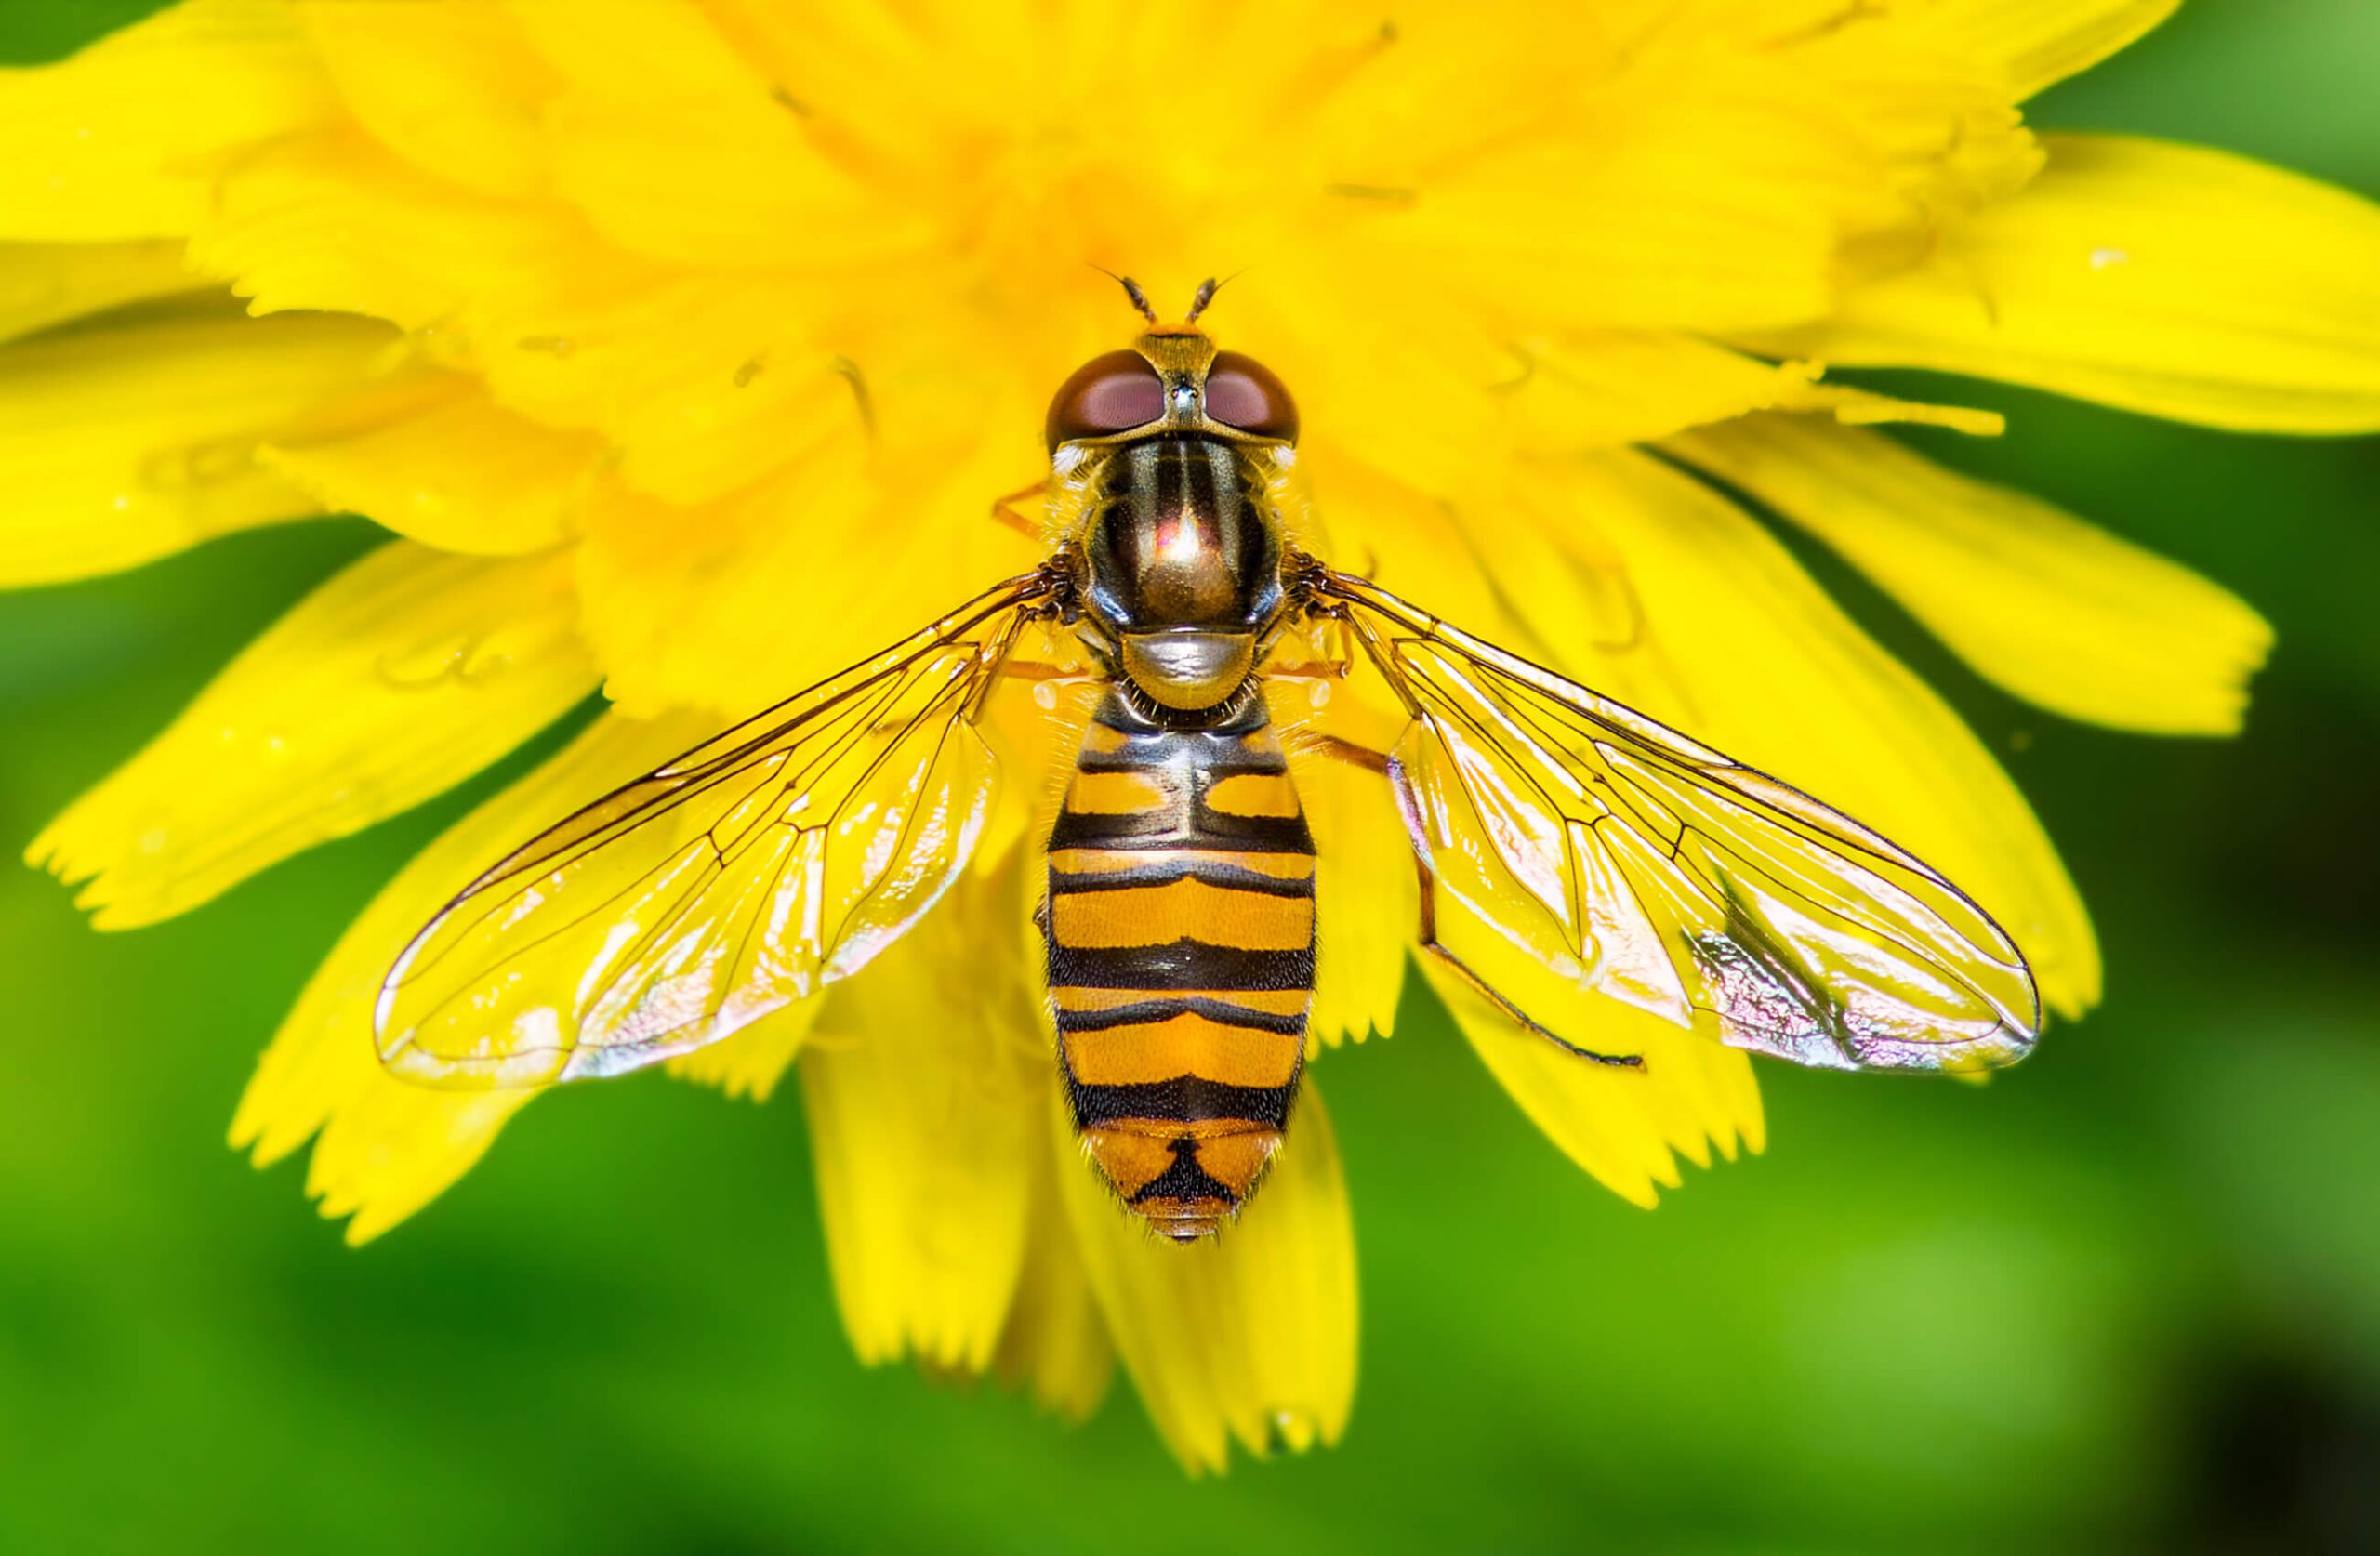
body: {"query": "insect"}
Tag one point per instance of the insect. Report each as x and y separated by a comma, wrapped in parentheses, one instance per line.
(1178, 910)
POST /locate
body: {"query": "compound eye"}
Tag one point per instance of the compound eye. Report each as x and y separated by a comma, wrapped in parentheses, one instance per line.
(1109, 394)
(1243, 392)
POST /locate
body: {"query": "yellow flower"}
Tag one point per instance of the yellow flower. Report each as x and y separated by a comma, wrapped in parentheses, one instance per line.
(683, 344)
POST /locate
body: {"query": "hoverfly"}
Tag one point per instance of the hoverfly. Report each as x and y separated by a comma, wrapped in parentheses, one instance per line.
(1178, 906)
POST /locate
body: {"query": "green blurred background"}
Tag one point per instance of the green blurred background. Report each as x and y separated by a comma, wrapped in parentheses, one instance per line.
(2126, 1298)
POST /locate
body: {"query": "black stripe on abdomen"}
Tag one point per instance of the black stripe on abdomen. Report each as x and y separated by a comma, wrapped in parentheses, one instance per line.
(1182, 1100)
(1180, 964)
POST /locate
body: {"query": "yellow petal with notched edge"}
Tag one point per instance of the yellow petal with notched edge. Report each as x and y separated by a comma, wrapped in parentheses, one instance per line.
(924, 1076)
(2168, 279)
(2032, 43)
(454, 89)
(455, 471)
(2054, 610)
(1624, 1125)
(43, 284)
(400, 677)
(125, 441)
(1055, 1344)
(751, 1062)
(1249, 1335)
(126, 139)
(1742, 650)
(335, 221)
(387, 1147)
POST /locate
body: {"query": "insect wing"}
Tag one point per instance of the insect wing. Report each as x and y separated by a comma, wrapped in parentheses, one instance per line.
(764, 863)
(1639, 862)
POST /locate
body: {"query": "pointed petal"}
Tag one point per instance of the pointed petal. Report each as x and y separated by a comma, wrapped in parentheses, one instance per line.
(1740, 649)
(2057, 611)
(2033, 42)
(126, 139)
(123, 442)
(403, 674)
(43, 284)
(1249, 1335)
(1609, 389)
(387, 1147)
(924, 1078)
(2167, 278)
(455, 471)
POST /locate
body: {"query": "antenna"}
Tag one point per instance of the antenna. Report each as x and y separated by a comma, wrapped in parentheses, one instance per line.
(1199, 304)
(1131, 290)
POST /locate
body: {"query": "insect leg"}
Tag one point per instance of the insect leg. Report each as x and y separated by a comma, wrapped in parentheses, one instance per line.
(1429, 943)
(1003, 513)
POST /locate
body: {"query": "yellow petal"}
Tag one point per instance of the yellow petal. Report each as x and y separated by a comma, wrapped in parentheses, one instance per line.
(692, 605)
(673, 143)
(43, 284)
(1738, 648)
(454, 89)
(336, 221)
(123, 442)
(2167, 278)
(1621, 1124)
(925, 1078)
(2057, 611)
(126, 139)
(2032, 43)
(751, 1063)
(455, 471)
(1055, 1344)
(1249, 1335)
(403, 674)
(1366, 902)
(387, 1147)
(1613, 388)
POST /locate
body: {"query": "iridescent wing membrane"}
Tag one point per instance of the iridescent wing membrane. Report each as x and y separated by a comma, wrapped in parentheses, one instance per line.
(760, 867)
(1630, 859)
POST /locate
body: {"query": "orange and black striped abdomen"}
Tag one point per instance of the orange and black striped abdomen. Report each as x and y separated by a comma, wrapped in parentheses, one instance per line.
(1179, 923)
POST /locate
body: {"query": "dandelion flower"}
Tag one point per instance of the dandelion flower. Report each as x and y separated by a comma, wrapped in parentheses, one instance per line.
(682, 344)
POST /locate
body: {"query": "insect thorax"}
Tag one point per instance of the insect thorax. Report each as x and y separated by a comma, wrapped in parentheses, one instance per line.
(1182, 567)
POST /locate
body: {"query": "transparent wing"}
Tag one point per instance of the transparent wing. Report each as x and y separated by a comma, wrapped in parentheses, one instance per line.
(764, 863)
(1623, 855)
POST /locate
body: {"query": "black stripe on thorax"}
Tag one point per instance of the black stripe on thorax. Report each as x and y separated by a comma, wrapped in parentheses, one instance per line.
(1202, 750)
(1182, 964)
(1188, 865)
(1182, 1100)
(1145, 1012)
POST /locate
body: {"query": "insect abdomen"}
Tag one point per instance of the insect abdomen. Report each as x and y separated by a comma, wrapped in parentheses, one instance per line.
(1180, 924)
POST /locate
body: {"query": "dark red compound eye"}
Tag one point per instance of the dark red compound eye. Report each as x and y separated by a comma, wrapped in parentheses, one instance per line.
(1113, 393)
(1243, 392)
